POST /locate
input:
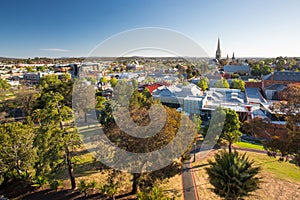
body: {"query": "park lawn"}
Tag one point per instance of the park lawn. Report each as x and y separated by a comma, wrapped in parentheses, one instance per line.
(282, 170)
(249, 145)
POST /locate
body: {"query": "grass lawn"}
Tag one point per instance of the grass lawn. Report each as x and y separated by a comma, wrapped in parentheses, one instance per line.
(249, 145)
(282, 170)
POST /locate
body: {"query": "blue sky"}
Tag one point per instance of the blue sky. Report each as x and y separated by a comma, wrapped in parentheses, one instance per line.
(58, 28)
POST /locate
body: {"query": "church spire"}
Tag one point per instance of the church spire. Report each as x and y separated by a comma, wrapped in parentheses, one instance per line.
(233, 58)
(218, 52)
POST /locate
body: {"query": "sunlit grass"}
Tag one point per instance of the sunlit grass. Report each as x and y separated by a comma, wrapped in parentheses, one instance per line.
(249, 145)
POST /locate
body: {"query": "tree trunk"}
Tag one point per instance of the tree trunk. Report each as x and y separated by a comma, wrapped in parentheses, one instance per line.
(230, 147)
(70, 169)
(85, 116)
(135, 182)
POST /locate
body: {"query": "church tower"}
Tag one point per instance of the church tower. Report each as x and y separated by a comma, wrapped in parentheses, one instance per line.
(233, 57)
(218, 52)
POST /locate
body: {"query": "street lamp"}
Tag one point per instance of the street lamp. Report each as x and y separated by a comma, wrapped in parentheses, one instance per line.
(195, 151)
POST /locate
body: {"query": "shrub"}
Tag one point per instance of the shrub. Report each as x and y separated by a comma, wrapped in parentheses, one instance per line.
(109, 189)
(85, 187)
(39, 181)
(233, 176)
(154, 194)
(56, 184)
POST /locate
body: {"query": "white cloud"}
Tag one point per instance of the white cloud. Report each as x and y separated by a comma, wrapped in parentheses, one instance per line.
(55, 50)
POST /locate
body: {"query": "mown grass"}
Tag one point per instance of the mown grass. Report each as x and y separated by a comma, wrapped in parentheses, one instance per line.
(249, 145)
(281, 170)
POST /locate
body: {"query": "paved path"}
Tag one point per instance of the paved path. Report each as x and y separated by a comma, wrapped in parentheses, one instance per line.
(188, 183)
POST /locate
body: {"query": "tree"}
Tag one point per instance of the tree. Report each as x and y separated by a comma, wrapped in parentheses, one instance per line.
(223, 83)
(41, 68)
(17, 153)
(113, 82)
(4, 85)
(55, 137)
(266, 70)
(255, 69)
(139, 115)
(280, 62)
(103, 80)
(230, 132)
(203, 84)
(291, 109)
(238, 84)
(25, 99)
(29, 69)
(233, 176)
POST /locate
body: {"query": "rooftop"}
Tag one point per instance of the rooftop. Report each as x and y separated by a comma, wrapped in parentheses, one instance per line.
(236, 68)
(284, 76)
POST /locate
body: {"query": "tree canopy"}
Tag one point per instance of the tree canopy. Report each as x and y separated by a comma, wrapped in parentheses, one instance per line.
(203, 84)
(238, 84)
(223, 83)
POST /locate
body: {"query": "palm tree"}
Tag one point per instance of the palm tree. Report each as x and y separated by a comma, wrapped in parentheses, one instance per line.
(232, 175)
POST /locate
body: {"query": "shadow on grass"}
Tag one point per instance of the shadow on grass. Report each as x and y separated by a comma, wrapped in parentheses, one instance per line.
(70, 194)
(83, 169)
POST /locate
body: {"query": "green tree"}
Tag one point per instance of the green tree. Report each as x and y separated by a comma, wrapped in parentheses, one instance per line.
(255, 69)
(203, 84)
(223, 83)
(238, 84)
(266, 70)
(233, 176)
(55, 137)
(103, 80)
(291, 142)
(230, 132)
(17, 153)
(113, 82)
(41, 68)
(29, 69)
(4, 85)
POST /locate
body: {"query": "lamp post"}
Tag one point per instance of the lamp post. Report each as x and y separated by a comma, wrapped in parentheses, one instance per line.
(195, 151)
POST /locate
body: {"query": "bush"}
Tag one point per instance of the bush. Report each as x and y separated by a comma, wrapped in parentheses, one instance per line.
(85, 187)
(39, 181)
(233, 176)
(109, 189)
(154, 194)
(56, 184)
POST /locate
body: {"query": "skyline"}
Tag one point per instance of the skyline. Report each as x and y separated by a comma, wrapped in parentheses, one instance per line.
(74, 28)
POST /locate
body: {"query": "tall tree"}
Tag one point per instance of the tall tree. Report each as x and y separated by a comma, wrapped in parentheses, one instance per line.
(55, 137)
(230, 132)
(17, 153)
